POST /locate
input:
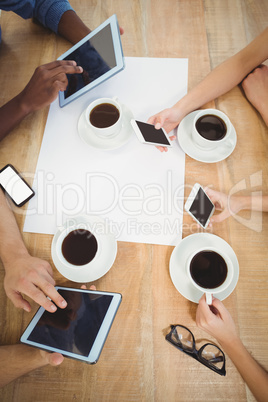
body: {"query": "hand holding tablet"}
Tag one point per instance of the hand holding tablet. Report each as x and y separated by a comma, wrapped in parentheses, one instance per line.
(99, 54)
(78, 331)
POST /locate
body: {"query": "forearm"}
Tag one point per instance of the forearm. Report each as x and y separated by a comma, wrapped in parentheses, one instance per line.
(219, 81)
(11, 243)
(250, 202)
(11, 114)
(72, 28)
(252, 373)
(226, 76)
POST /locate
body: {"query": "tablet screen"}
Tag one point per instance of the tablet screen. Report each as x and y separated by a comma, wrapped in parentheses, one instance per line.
(99, 54)
(96, 56)
(75, 328)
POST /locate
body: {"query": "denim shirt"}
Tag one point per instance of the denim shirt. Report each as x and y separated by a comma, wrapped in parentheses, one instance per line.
(47, 12)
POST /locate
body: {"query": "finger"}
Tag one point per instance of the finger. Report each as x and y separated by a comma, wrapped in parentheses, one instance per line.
(19, 301)
(151, 120)
(57, 63)
(65, 70)
(172, 137)
(39, 295)
(55, 359)
(121, 30)
(220, 217)
(93, 287)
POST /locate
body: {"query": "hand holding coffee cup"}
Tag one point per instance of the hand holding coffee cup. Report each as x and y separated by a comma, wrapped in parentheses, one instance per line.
(211, 128)
(209, 271)
(104, 117)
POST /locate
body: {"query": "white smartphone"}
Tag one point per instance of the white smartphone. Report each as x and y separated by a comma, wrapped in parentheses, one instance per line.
(148, 134)
(15, 186)
(78, 331)
(199, 206)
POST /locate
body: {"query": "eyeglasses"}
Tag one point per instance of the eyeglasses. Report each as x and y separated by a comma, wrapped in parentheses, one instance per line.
(210, 355)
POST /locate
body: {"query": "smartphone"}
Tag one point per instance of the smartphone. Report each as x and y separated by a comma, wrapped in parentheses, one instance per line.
(199, 206)
(148, 134)
(15, 186)
(78, 331)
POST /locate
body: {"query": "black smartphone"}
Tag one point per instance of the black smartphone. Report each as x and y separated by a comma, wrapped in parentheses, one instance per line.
(15, 186)
(148, 134)
(199, 206)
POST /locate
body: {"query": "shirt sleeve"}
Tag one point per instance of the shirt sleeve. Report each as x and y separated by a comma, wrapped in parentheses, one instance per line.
(47, 12)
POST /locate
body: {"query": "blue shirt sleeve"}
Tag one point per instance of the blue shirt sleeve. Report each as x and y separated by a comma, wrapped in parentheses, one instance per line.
(47, 12)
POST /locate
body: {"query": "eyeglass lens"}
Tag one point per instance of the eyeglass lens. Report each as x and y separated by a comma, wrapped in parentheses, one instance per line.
(213, 356)
(183, 338)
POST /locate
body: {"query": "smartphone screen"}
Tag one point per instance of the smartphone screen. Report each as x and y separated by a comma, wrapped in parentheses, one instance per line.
(152, 135)
(201, 207)
(15, 186)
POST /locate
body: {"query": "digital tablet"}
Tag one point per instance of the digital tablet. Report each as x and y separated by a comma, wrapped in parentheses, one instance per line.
(79, 331)
(101, 56)
(148, 134)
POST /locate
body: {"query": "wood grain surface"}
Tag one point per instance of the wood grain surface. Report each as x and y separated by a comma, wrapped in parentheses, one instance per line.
(137, 364)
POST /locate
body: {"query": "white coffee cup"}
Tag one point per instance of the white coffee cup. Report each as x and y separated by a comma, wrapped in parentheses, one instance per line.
(209, 143)
(105, 132)
(223, 286)
(62, 236)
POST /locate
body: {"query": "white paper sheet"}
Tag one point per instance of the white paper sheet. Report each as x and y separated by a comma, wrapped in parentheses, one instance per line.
(136, 189)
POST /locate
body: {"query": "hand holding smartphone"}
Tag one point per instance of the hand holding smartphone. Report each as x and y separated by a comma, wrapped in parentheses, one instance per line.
(148, 134)
(199, 206)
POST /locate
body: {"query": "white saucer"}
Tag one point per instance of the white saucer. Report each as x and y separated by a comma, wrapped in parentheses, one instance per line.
(180, 254)
(101, 264)
(187, 144)
(90, 138)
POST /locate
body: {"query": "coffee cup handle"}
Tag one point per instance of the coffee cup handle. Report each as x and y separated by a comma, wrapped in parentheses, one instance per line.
(209, 298)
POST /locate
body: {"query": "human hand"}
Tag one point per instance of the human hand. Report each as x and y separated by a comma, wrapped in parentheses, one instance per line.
(45, 84)
(32, 277)
(216, 320)
(255, 86)
(168, 119)
(228, 205)
(55, 359)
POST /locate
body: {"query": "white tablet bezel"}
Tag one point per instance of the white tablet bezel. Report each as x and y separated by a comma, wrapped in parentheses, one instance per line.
(190, 201)
(100, 339)
(140, 137)
(119, 57)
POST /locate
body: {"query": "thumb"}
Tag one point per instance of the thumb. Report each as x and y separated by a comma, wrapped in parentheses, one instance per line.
(55, 359)
(19, 301)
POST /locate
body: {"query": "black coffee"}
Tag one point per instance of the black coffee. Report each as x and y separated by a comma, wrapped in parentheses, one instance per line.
(208, 269)
(104, 115)
(79, 247)
(211, 127)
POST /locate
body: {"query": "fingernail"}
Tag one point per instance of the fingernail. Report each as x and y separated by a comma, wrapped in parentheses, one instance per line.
(53, 307)
(63, 303)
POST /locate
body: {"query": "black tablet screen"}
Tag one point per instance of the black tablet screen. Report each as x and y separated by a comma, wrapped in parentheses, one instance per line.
(74, 328)
(96, 56)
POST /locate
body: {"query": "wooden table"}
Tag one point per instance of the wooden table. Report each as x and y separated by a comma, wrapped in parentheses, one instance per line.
(137, 364)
